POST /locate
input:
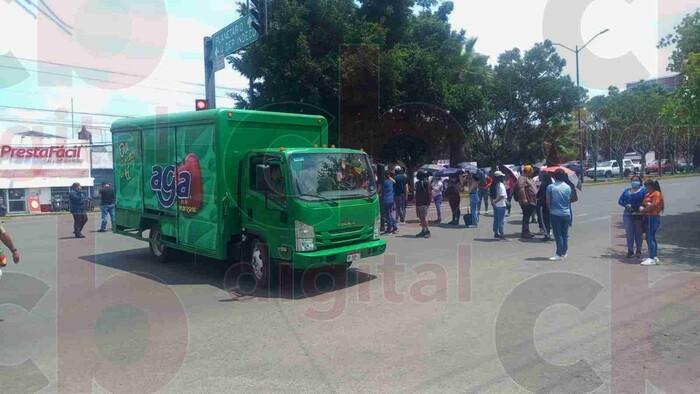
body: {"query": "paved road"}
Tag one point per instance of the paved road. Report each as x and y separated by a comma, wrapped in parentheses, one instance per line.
(458, 312)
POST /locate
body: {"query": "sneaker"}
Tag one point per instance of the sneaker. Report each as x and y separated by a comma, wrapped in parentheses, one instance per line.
(101, 230)
(656, 260)
(496, 236)
(528, 235)
(556, 258)
(427, 234)
(565, 256)
(638, 255)
(546, 238)
(648, 262)
(502, 237)
(395, 230)
(421, 234)
(630, 254)
(403, 222)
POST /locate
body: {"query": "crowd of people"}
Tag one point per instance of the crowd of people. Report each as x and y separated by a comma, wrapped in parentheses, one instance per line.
(545, 199)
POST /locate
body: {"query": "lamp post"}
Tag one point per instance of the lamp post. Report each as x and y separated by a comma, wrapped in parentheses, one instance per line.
(578, 85)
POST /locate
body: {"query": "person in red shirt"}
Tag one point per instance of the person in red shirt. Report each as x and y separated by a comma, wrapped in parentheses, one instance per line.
(484, 188)
(652, 206)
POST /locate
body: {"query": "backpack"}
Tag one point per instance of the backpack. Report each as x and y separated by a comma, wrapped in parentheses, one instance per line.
(493, 191)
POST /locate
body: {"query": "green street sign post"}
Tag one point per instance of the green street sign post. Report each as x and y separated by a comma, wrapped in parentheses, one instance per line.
(232, 38)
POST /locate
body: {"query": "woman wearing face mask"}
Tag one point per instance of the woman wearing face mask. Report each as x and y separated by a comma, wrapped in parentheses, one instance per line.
(631, 199)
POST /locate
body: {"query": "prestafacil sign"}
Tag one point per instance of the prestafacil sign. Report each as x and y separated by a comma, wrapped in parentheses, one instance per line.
(48, 153)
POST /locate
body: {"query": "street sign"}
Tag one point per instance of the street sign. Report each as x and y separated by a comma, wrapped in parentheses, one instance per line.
(230, 39)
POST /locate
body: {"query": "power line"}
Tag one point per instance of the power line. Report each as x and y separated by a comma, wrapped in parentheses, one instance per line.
(63, 96)
(66, 111)
(54, 14)
(27, 10)
(57, 23)
(117, 72)
(112, 82)
(54, 123)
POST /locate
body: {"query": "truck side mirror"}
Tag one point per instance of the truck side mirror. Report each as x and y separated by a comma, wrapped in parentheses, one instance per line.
(262, 178)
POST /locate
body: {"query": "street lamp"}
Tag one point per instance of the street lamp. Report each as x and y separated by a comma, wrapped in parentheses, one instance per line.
(578, 85)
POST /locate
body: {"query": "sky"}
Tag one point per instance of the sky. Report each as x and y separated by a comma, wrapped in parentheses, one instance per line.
(153, 49)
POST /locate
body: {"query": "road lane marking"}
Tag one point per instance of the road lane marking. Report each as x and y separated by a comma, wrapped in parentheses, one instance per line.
(595, 220)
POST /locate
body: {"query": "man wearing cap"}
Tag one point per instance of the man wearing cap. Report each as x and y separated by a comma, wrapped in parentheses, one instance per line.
(400, 194)
(527, 192)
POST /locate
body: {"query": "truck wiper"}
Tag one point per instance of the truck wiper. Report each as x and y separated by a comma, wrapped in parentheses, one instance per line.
(328, 200)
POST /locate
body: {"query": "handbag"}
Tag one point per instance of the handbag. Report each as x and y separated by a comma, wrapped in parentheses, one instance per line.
(468, 218)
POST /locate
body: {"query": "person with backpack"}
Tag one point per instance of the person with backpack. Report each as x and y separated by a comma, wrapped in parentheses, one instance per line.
(423, 197)
(485, 183)
(499, 197)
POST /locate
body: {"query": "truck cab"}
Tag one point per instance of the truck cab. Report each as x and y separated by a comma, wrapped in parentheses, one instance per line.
(310, 208)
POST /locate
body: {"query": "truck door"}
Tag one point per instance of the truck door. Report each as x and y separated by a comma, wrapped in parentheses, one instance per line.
(265, 208)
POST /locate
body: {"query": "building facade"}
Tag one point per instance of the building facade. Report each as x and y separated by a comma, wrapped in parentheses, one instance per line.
(669, 83)
(36, 173)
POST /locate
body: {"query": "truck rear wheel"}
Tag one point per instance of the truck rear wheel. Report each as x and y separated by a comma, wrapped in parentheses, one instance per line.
(261, 265)
(158, 250)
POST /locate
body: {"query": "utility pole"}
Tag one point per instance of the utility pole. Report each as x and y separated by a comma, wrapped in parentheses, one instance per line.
(209, 73)
(72, 118)
(577, 51)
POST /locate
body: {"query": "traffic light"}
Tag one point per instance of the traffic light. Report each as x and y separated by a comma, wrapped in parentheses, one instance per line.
(258, 16)
(201, 105)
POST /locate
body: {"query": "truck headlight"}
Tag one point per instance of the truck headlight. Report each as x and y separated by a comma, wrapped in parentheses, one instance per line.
(306, 237)
(377, 227)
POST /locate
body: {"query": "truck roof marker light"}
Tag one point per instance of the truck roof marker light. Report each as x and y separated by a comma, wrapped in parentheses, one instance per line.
(230, 114)
(319, 120)
(315, 145)
(362, 149)
(332, 146)
(281, 149)
(325, 146)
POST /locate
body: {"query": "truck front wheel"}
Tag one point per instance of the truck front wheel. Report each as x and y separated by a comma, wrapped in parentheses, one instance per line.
(158, 250)
(260, 263)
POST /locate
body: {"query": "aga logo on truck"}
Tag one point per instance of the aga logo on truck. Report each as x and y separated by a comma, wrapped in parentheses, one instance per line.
(183, 184)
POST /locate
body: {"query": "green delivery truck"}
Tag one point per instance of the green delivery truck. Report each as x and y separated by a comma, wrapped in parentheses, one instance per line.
(250, 186)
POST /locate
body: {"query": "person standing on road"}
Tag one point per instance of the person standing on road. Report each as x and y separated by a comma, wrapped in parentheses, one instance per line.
(510, 189)
(437, 187)
(452, 194)
(542, 208)
(652, 206)
(388, 204)
(631, 199)
(76, 197)
(400, 194)
(559, 203)
(7, 240)
(108, 199)
(472, 187)
(499, 197)
(484, 191)
(423, 196)
(527, 196)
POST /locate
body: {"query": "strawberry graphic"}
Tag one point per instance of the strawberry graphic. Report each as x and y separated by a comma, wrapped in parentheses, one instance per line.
(189, 185)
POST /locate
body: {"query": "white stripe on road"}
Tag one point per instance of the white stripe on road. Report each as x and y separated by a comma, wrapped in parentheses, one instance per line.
(594, 220)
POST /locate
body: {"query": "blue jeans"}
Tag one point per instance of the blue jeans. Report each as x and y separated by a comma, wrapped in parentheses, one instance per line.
(107, 209)
(438, 206)
(474, 205)
(560, 228)
(654, 224)
(484, 197)
(387, 217)
(633, 232)
(499, 218)
(400, 202)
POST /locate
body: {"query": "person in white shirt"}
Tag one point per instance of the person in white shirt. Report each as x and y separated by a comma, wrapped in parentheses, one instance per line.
(498, 200)
(437, 186)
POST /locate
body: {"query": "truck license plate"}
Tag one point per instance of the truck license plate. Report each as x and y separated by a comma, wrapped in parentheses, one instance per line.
(353, 257)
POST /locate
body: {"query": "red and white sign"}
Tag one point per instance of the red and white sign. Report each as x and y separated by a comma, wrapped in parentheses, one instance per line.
(58, 153)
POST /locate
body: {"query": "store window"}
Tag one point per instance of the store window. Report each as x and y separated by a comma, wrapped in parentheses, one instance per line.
(59, 193)
(17, 201)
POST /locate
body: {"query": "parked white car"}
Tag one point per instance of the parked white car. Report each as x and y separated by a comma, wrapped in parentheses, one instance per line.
(611, 168)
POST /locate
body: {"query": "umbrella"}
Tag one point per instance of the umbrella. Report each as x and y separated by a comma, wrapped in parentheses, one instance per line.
(573, 179)
(471, 168)
(507, 171)
(449, 172)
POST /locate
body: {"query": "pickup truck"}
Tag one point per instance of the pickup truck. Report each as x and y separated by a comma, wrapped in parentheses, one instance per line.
(611, 168)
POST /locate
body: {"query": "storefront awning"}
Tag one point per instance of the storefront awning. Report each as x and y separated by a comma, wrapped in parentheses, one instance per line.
(29, 183)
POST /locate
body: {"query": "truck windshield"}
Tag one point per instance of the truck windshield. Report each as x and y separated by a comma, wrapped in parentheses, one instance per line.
(334, 176)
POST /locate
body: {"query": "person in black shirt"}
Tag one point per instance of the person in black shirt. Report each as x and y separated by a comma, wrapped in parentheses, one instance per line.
(400, 194)
(108, 199)
(423, 197)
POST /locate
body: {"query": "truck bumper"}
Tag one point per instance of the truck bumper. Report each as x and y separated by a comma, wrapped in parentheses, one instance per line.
(338, 256)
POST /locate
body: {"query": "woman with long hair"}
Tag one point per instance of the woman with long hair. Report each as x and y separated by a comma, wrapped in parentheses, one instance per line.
(631, 199)
(652, 206)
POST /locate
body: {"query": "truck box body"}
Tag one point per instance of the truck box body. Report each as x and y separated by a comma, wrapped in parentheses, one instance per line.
(192, 174)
